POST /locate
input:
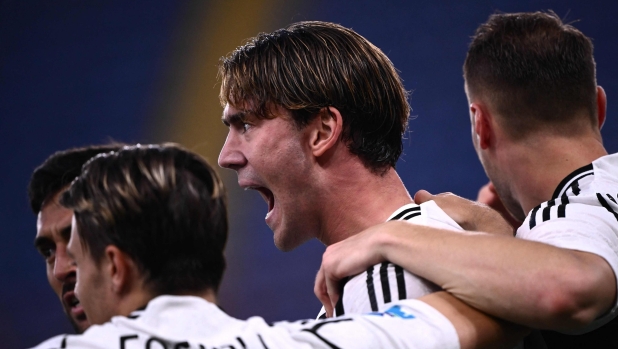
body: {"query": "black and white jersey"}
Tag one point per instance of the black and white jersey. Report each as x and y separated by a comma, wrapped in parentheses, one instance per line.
(175, 322)
(582, 215)
(383, 283)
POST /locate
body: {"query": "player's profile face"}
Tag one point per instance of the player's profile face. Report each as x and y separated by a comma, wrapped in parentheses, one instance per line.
(272, 157)
(89, 288)
(53, 233)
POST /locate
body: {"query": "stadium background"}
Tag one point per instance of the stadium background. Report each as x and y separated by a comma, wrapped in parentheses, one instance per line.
(74, 73)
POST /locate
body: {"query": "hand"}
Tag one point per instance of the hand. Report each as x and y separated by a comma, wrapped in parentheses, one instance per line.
(487, 195)
(470, 215)
(346, 258)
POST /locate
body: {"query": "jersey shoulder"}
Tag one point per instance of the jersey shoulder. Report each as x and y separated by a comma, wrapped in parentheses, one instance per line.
(379, 285)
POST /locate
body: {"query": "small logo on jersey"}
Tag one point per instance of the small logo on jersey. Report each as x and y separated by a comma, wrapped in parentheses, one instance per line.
(395, 311)
(398, 311)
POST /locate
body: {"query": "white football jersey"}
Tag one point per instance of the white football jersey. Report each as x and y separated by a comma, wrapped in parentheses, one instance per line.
(175, 322)
(384, 283)
(582, 215)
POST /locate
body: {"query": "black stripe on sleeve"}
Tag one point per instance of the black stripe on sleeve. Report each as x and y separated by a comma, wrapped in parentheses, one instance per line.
(410, 216)
(386, 289)
(562, 206)
(242, 343)
(262, 341)
(339, 309)
(606, 205)
(611, 198)
(404, 212)
(371, 292)
(547, 210)
(401, 282)
(533, 216)
(575, 188)
(63, 344)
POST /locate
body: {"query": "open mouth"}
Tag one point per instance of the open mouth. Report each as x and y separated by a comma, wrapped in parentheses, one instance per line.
(268, 197)
(72, 303)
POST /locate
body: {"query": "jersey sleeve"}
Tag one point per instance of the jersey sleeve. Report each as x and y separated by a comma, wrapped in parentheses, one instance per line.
(379, 285)
(404, 324)
(586, 228)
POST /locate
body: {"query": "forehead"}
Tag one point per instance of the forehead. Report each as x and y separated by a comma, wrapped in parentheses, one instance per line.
(53, 217)
(246, 110)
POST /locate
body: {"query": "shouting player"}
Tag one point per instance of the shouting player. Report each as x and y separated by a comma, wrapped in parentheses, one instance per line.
(147, 240)
(316, 115)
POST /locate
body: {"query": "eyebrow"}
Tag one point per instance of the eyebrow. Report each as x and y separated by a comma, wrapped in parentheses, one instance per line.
(66, 233)
(233, 119)
(42, 241)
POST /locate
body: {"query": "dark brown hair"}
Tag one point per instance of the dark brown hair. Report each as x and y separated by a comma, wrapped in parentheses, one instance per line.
(309, 66)
(534, 69)
(59, 170)
(163, 206)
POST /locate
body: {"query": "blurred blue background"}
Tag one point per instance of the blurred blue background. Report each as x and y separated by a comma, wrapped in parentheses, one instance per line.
(74, 73)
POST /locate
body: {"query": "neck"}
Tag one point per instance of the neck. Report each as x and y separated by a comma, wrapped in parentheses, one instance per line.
(538, 164)
(354, 203)
(138, 299)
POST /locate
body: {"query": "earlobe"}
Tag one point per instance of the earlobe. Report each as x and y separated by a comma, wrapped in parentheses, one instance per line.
(327, 131)
(601, 106)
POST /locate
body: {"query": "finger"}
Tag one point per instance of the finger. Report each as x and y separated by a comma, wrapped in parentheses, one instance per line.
(320, 291)
(422, 196)
(333, 290)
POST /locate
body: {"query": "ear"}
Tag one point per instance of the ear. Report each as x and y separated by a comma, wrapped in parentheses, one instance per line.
(326, 132)
(601, 106)
(119, 269)
(482, 125)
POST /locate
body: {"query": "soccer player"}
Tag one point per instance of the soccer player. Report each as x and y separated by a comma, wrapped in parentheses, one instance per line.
(316, 115)
(47, 184)
(536, 114)
(147, 240)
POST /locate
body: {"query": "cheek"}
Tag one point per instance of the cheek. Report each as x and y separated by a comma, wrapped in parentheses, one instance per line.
(55, 284)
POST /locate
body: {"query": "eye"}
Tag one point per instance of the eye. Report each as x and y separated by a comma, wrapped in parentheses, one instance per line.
(48, 253)
(246, 126)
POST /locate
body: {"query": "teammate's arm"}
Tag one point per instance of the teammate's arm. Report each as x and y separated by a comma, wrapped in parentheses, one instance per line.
(475, 329)
(525, 282)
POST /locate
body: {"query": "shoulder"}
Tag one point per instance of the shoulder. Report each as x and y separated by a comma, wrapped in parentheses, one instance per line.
(428, 213)
(379, 285)
(404, 324)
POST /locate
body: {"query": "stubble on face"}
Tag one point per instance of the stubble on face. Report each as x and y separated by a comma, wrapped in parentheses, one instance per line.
(53, 233)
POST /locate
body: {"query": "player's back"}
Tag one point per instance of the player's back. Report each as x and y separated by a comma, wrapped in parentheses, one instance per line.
(191, 322)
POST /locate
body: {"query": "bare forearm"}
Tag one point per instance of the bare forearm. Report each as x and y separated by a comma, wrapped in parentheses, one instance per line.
(521, 281)
(475, 329)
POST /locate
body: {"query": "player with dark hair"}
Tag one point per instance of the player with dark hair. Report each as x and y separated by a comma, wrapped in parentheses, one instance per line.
(536, 114)
(149, 229)
(47, 184)
(316, 115)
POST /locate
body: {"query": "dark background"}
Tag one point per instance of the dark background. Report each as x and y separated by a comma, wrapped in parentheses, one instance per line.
(74, 73)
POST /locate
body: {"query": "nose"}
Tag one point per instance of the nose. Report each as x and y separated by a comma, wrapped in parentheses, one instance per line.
(63, 265)
(231, 155)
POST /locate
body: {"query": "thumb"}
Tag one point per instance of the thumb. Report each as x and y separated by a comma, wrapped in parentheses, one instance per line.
(422, 196)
